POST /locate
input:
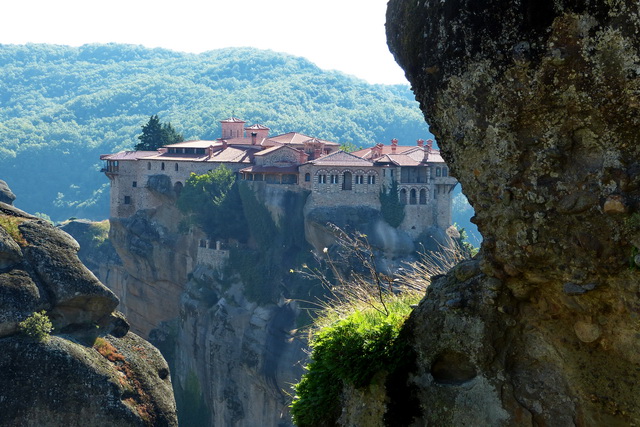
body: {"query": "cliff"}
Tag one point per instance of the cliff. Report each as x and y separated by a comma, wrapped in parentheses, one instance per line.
(535, 107)
(91, 370)
(227, 318)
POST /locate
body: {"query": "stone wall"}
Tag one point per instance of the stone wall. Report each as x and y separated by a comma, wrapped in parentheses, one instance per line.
(212, 254)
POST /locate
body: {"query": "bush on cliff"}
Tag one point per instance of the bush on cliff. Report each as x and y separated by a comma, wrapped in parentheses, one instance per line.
(37, 326)
(212, 202)
(355, 337)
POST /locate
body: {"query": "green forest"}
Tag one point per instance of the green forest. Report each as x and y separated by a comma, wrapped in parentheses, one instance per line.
(61, 107)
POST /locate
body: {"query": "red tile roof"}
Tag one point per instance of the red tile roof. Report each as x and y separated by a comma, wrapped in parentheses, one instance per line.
(128, 155)
(232, 120)
(226, 155)
(341, 158)
(276, 148)
(257, 127)
(386, 149)
(194, 144)
(297, 138)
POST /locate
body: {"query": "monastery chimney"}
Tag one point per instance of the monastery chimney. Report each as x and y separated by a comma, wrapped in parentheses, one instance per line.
(427, 149)
(420, 142)
(377, 151)
(254, 136)
(224, 144)
(394, 145)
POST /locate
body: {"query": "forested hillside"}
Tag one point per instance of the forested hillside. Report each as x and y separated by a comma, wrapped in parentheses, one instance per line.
(61, 107)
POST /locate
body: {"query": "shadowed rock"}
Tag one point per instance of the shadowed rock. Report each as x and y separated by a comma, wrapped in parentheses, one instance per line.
(91, 371)
(6, 195)
(535, 106)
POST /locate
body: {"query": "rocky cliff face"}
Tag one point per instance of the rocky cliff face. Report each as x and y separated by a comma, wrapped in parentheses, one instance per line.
(535, 106)
(229, 330)
(232, 359)
(91, 371)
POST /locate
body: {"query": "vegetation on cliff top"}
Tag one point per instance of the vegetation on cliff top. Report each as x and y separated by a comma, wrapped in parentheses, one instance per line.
(61, 107)
(355, 337)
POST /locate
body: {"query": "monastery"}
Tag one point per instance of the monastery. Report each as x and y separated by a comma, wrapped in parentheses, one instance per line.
(295, 162)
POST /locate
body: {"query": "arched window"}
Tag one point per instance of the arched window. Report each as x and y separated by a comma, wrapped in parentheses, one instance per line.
(176, 167)
(346, 181)
(403, 196)
(162, 166)
(307, 177)
(423, 197)
(412, 197)
(438, 172)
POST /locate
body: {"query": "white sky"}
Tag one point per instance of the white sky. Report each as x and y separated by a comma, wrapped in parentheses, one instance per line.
(345, 35)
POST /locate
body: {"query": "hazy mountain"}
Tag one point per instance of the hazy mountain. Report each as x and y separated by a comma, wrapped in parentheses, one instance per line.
(61, 107)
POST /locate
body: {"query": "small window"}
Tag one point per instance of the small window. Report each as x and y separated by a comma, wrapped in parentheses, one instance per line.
(176, 167)
(445, 172)
(423, 197)
(148, 166)
(307, 177)
(162, 166)
(359, 179)
(391, 172)
(371, 179)
(322, 179)
(334, 179)
(135, 184)
(127, 200)
(438, 172)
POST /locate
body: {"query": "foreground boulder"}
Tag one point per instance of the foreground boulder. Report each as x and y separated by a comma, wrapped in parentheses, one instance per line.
(91, 371)
(536, 108)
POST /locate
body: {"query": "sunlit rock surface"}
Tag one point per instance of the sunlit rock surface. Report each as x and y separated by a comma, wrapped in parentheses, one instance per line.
(91, 371)
(535, 107)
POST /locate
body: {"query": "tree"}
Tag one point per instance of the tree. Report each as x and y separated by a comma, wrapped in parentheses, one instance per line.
(391, 207)
(213, 203)
(156, 134)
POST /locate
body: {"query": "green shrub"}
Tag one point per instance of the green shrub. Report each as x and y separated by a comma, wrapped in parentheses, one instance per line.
(10, 225)
(349, 351)
(37, 326)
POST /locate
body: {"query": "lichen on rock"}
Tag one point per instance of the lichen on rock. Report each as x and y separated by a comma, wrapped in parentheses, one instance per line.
(535, 107)
(65, 379)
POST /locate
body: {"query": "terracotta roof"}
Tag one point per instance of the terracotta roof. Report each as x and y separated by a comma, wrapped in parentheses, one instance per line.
(232, 120)
(398, 159)
(297, 138)
(386, 149)
(128, 155)
(341, 158)
(194, 144)
(226, 155)
(270, 169)
(233, 154)
(257, 127)
(276, 148)
(435, 157)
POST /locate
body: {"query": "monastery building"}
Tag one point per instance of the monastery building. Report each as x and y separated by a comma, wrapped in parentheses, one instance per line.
(298, 163)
